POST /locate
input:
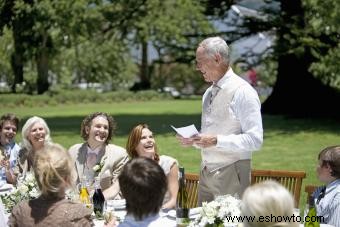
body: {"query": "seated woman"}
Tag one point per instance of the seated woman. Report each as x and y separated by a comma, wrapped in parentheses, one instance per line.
(268, 199)
(143, 184)
(54, 172)
(142, 143)
(97, 130)
(9, 124)
(327, 198)
(35, 135)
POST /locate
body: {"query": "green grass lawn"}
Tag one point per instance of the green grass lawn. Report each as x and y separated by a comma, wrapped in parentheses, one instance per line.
(289, 144)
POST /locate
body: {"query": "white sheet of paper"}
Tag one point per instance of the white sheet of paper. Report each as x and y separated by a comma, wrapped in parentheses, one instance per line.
(186, 131)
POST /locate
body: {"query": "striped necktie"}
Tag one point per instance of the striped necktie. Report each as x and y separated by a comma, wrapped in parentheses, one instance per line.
(213, 92)
(321, 194)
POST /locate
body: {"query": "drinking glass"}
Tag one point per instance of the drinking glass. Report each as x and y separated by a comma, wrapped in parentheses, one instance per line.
(109, 205)
(20, 179)
(2, 176)
(305, 212)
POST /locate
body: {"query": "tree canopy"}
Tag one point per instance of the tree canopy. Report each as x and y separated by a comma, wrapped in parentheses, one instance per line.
(94, 41)
(44, 42)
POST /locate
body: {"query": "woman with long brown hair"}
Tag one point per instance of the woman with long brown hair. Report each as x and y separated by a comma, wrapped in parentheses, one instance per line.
(141, 143)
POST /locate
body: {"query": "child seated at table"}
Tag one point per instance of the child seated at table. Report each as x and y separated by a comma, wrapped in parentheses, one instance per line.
(327, 198)
(143, 184)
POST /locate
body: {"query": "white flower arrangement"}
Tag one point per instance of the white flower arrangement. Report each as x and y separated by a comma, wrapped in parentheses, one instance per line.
(27, 189)
(98, 167)
(219, 212)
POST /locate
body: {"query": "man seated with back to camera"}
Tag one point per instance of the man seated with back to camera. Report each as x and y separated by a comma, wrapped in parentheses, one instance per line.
(143, 185)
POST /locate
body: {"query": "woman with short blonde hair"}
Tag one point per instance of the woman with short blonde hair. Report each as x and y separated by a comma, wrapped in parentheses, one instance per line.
(54, 172)
(271, 201)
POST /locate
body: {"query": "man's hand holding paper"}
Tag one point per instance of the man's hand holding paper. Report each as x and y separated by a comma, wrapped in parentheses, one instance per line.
(189, 136)
(186, 135)
(204, 140)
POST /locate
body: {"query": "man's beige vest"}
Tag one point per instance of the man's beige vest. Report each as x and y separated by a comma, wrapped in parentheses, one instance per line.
(217, 120)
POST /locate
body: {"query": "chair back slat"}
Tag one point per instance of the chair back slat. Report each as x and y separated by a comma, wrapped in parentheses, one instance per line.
(309, 189)
(191, 185)
(291, 180)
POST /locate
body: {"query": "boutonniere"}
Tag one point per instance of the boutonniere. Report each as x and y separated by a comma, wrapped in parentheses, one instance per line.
(98, 167)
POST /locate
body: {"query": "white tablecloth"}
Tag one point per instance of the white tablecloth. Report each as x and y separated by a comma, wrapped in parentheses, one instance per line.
(171, 216)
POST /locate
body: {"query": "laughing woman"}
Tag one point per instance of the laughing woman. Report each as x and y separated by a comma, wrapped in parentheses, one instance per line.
(97, 130)
(35, 135)
(141, 143)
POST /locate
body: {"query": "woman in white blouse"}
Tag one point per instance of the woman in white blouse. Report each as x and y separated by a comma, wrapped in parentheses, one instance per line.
(141, 143)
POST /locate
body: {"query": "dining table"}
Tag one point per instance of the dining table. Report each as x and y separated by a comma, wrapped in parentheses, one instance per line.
(119, 212)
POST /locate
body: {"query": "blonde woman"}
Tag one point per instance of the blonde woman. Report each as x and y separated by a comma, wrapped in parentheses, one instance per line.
(268, 199)
(35, 135)
(54, 172)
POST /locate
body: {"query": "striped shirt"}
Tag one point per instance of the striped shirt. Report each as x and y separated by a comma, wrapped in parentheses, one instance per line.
(329, 205)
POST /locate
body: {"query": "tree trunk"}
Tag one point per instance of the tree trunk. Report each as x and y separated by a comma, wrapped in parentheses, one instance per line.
(17, 67)
(17, 59)
(144, 66)
(42, 69)
(297, 92)
(144, 83)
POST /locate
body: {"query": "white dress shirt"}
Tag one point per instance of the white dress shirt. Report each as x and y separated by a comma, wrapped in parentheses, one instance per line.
(243, 108)
(329, 206)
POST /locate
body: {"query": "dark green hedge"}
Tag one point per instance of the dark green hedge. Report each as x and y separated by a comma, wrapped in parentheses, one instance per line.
(78, 96)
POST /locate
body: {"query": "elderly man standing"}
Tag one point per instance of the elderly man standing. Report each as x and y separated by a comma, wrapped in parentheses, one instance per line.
(231, 125)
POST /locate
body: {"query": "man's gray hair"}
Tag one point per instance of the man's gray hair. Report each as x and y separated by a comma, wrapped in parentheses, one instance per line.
(216, 45)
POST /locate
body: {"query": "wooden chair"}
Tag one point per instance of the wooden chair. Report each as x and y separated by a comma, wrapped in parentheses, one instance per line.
(191, 185)
(292, 180)
(309, 189)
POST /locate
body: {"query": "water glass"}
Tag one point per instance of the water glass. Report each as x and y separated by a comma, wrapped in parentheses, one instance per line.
(109, 205)
(305, 213)
(3, 179)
